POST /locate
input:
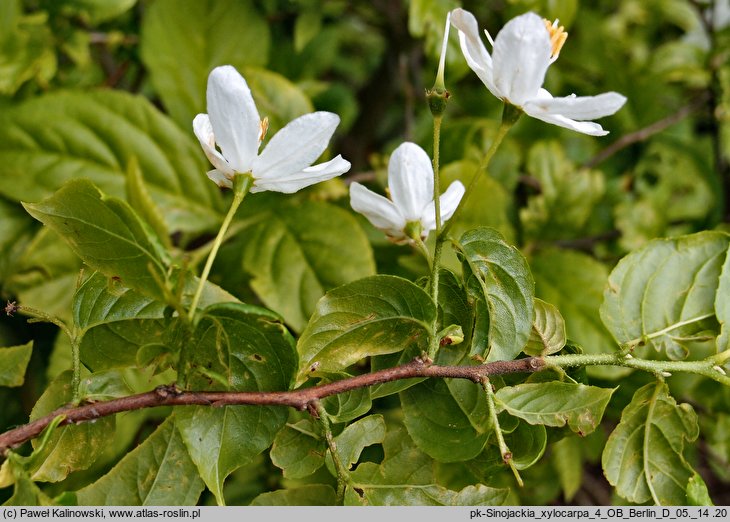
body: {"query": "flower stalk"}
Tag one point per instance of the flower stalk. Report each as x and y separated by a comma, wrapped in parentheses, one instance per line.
(242, 184)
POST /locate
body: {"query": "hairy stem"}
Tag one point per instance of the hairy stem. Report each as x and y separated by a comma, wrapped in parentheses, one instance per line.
(503, 449)
(343, 474)
(302, 399)
(241, 185)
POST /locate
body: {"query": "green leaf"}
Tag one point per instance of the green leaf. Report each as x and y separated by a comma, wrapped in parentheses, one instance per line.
(140, 200)
(673, 191)
(567, 197)
(447, 419)
(61, 454)
(568, 463)
(356, 437)
(158, 472)
(574, 283)
(182, 41)
(51, 139)
(309, 495)
(26, 48)
(548, 330)
(722, 306)
(122, 327)
(299, 448)
(101, 300)
(15, 235)
(454, 307)
(643, 458)
(105, 233)
(405, 478)
(697, 494)
(372, 316)
(506, 286)
(556, 404)
(235, 347)
(347, 406)
(96, 11)
(491, 205)
(293, 261)
(716, 430)
(13, 362)
(665, 292)
(527, 443)
(44, 274)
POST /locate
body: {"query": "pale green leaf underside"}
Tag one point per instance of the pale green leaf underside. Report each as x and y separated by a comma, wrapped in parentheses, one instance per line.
(556, 404)
(664, 290)
(299, 449)
(643, 458)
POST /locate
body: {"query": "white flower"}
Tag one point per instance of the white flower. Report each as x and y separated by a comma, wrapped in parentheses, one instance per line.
(410, 180)
(515, 71)
(233, 123)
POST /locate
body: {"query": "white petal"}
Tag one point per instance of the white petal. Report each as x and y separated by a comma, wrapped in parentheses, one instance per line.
(476, 55)
(578, 108)
(380, 211)
(410, 180)
(298, 180)
(521, 58)
(448, 202)
(204, 133)
(296, 146)
(220, 178)
(585, 127)
(234, 117)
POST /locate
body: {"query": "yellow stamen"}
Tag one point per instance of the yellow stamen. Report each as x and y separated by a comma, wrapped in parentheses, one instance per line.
(557, 36)
(263, 127)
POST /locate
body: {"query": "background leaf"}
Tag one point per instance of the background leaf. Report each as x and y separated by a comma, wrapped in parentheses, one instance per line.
(13, 362)
(665, 291)
(106, 234)
(292, 264)
(182, 41)
(643, 458)
(52, 139)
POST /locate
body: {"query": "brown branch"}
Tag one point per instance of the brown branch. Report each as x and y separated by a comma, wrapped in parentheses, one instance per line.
(647, 132)
(299, 399)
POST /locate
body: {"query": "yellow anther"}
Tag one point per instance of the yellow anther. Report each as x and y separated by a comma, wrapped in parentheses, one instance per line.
(557, 37)
(263, 127)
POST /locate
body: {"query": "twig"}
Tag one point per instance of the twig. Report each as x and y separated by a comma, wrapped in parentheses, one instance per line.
(170, 395)
(647, 132)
